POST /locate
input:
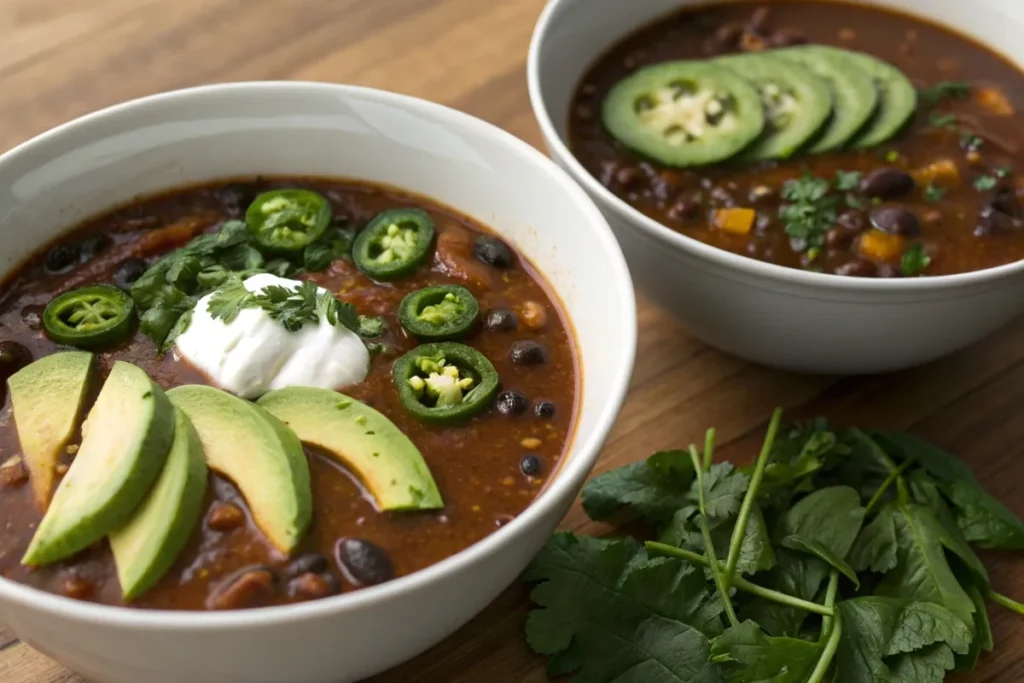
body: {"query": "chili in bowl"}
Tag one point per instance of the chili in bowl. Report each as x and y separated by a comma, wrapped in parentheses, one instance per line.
(818, 186)
(275, 406)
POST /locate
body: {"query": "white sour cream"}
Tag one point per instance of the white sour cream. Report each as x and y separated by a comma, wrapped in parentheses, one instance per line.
(254, 354)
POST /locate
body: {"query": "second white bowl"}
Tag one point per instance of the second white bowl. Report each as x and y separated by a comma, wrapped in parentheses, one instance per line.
(766, 313)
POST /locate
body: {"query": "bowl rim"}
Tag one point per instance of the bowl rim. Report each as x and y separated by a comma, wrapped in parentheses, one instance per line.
(562, 489)
(635, 220)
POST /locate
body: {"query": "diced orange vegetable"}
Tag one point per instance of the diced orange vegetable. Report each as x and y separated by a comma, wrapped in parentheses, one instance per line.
(881, 246)
(994, 100)
(943, 172)
(736, 221)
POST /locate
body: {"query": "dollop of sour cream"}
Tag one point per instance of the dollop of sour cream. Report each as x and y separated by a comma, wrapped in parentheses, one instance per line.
(254, 354)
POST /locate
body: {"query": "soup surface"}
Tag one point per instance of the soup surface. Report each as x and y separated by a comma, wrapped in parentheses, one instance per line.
(487, 468)
(936, 195)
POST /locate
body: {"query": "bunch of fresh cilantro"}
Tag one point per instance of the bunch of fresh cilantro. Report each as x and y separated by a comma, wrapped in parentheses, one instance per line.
(170, 288)
(840, 556)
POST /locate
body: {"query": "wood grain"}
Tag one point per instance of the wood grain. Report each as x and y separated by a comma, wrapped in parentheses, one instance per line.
(61, 60)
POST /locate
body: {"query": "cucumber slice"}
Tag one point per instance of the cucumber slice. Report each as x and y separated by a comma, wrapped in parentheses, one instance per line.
(797, 103)
(146, 547)
(897, 95)
(854, 92)
(124, 446)
(684, 113)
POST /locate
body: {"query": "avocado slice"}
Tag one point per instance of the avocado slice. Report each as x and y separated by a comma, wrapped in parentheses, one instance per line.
(146, 547)
(47, 397)
(125, 443)
(363, 440)
(259, 454)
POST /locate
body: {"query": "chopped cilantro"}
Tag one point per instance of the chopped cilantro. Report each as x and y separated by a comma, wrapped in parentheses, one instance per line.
(985, 182)
(915, 260)
(811, 210)
(847, 180)
(933, 193)
(953, 90)
(942, 120)
(892, 156)
(1004, 172)
(292, 308)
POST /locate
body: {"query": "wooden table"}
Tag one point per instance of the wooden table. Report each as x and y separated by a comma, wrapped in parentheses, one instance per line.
(61, 59)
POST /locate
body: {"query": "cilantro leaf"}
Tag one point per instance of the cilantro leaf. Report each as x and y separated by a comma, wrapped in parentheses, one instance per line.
(954, 90)
(801, 527)
(317, 257)
(848, 180)
(984, 183)
(876, 628)
(796, 574)
(654, 489)
(933, 193)
(810, 211)
(942, 120)
(724, 487)
(227, 302)
(915, 260)
(982, 519)
(875, 547)
(612, 615)
(370, 327)
(752, 657)
(756, 552)
(922, 571)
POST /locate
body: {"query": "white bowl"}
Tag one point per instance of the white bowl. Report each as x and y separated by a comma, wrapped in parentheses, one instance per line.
(766, 313)
(161, 142)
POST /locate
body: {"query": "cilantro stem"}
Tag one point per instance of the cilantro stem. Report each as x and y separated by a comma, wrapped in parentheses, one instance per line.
(830, 602)
(740, 583)
(709, 449)
(740, 530)
(709, 546)
(1006, 602)
(829, 653)
(883, 457)
(893, 476)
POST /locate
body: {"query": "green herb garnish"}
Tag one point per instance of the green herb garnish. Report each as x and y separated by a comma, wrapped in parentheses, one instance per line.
(985, 182)
(942, 120)
(892, 156)
(915, 260)
(933, 193)
(292, 308)
(810, 211)
(839, 556)
(953, 90)
(1004, 172)
(847, 180)
(971, 141)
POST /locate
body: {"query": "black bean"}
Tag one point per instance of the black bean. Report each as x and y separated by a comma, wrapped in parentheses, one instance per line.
(363, 563)
(528, 352)
(129, 271)
(995, 222)
(61, 258)
(857, 268)
(629, 177)
(494, 252)
(501, 320)
(308, 563)
(895, 220)
(91, 246)
(512, 403)
(544, 409)
(886, 183)
(851, 220)
(762, 223)
(32, 316)
(889, 270)
(13, 357)
(530, 465)
(838, 238)
(686, 209)
(721, 197)
(1006, 202)
(666, 184)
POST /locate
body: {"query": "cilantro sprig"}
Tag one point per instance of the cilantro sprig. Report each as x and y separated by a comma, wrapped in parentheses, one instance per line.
(846, 553)
(292, 308)
(945, 90)
(810, 210)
